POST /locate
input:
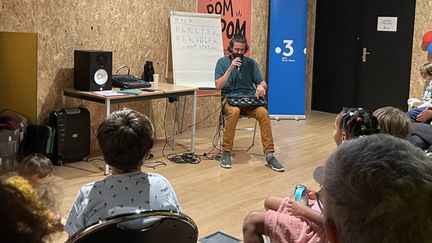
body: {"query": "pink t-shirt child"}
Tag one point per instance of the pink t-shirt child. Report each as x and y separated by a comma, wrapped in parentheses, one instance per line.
(281, 226)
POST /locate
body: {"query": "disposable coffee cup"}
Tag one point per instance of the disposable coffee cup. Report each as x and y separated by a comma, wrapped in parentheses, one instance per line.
(155, 78)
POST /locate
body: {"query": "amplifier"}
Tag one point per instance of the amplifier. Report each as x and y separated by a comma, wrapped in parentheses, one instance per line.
(72, 135)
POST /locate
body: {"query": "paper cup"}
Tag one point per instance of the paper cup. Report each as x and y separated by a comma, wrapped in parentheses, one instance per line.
(155, 78)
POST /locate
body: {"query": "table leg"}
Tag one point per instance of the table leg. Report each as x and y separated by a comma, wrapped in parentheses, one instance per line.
(194, 101)
(107, 112)
(175, 125)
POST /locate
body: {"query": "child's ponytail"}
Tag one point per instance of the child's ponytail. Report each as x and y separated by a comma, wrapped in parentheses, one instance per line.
(357, 122)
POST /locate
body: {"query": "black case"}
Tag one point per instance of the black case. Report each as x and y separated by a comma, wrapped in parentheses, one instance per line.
(72, 136)
(39, 139)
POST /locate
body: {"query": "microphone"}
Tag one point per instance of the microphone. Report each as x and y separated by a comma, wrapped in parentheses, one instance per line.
(241, 58)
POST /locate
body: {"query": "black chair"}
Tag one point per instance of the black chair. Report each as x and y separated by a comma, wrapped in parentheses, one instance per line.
(141, 226)
(244, 116)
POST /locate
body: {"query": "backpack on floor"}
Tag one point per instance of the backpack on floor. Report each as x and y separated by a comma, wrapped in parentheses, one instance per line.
(39, 139)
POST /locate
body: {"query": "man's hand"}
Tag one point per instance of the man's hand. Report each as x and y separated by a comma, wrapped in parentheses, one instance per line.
(260, 91)
(235, 63)
(424, 116)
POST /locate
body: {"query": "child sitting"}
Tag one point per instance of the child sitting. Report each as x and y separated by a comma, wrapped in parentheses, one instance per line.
(393, 121)
(286, 220)
(33, 174)
(21, 220)
(417, 114)
(125, 139)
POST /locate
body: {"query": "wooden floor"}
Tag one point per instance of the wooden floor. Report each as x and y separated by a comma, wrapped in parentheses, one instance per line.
(218, 199)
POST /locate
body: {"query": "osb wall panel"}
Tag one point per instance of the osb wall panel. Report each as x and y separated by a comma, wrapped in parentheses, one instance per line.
(423, 23)
(258, 44)
(310, 38)
(135, 31)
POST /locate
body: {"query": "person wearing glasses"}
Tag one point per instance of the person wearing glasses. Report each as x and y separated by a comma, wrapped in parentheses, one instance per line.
(239, 76)
(286, 220)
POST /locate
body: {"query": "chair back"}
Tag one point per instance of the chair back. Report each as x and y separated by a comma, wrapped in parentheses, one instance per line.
(144, 226)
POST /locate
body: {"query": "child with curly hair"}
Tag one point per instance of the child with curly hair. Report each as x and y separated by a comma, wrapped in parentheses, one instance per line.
(34, 173)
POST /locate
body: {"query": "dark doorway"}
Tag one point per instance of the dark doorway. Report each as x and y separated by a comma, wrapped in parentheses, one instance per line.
(362, 55)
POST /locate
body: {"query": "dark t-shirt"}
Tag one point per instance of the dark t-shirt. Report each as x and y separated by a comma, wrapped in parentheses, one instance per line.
(240, 83)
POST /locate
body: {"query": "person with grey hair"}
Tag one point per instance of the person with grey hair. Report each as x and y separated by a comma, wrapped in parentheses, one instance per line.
(125, 138)
(378, 188)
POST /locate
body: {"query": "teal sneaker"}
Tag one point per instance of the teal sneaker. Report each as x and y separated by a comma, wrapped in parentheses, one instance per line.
(225, 160)
(273, 163)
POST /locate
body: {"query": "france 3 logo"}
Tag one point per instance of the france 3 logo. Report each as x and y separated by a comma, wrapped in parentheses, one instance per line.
(288, 51)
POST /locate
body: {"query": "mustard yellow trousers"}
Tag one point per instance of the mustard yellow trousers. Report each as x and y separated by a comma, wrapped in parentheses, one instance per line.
(232, 115)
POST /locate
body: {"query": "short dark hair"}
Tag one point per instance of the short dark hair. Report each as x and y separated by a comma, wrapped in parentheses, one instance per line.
(378, 188)
(239, 38)
(125, 138)
(35, 164)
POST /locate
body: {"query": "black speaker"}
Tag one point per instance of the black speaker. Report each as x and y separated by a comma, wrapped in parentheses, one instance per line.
(72, 135)
(92, 70)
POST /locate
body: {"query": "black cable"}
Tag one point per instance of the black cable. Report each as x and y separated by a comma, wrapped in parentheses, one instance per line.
(165, 131)
(190, 158)
(164, 126)
(193, 158)
(196, 123)
(217, 139)
(93, 131)
(123, 66)
(205, 118)
(183, 113)
(154, 164)
(148, 164)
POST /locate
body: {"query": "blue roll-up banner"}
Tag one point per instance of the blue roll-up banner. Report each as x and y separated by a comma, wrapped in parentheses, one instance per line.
(286, 65)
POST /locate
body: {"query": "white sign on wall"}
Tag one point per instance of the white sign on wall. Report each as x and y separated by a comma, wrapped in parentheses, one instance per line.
(387, 24)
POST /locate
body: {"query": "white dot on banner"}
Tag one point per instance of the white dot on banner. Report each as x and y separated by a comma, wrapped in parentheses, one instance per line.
(304, 50)
(278, 50)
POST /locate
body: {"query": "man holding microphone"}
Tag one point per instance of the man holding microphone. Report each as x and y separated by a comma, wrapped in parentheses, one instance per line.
(237, 75)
